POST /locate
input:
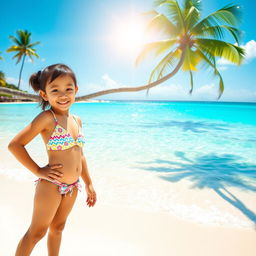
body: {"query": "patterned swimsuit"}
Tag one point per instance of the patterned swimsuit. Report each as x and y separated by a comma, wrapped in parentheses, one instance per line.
(61, 139)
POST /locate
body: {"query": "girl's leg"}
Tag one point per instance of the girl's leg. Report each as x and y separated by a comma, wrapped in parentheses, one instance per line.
(58, 223)
(46, 202)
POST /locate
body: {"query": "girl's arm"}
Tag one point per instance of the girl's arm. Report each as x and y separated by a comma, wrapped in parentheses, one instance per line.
(91, 194)
(85, 173)
(18, 143)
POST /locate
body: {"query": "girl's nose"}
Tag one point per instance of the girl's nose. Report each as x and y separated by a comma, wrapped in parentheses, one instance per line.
(63, 94)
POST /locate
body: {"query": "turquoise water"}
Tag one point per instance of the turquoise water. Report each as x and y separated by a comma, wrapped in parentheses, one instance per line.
(179, 157)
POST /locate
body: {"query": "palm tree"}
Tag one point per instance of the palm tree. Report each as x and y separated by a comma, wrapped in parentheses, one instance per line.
(190, 41)
(1, 58)
(23, 47)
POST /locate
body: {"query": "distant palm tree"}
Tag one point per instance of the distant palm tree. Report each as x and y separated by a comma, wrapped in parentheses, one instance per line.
(23, 47)
(190, 41)
(1, 58)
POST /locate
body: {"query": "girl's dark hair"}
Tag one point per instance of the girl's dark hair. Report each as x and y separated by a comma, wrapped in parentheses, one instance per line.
(39, 80)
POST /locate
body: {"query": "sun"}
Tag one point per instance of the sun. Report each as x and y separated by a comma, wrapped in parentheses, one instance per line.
(129, 35)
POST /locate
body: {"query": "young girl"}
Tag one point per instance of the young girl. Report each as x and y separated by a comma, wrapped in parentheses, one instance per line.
(63, 138)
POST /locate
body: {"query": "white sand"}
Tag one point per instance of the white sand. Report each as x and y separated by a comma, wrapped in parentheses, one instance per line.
(105, 230)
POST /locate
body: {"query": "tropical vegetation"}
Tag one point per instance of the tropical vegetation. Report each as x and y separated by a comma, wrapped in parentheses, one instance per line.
(23, 47)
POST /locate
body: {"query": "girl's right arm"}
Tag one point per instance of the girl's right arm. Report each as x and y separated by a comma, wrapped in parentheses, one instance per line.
(18, 143)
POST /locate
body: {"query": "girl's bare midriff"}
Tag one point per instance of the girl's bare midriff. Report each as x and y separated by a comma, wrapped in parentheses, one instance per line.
(71, 163)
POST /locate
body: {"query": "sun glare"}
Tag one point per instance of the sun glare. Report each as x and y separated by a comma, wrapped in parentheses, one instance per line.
(129, 35)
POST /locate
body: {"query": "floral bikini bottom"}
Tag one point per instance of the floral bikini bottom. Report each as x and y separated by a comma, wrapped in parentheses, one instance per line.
(63, 187)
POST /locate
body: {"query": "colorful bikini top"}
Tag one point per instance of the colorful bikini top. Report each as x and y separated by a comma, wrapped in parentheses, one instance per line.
(61, 139)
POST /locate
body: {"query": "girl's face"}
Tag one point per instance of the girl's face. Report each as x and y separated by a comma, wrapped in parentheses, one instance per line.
(60, 93)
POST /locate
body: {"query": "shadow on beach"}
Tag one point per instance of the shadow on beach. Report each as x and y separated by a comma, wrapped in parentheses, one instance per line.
(216, 172)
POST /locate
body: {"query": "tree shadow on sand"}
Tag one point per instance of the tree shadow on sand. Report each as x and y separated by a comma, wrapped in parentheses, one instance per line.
(213, 172)
(193, 126)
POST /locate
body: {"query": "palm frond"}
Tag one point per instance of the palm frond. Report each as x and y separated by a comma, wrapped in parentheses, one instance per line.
(14, 48)
(33, 44)
(157, 3)
(31, 53)
(191, 60)
(18, 55)
(218, 32)
(216, 72)
(192, 3)
(222, 49)
(191, 12)
(157, 47)
(191, 18)
(230, 14)
(15, 40)
(173, 12)
(24, 36)
(166, 62)
(161, 23)
(191, 81)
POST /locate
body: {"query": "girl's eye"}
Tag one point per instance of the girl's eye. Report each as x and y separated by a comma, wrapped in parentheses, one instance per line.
(67, 89)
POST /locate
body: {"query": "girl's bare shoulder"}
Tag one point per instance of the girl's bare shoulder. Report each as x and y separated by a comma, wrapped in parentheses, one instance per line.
(78, 119)
(39, 124)
(44, 119)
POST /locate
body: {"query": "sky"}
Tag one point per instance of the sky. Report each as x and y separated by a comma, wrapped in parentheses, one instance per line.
(99, 41)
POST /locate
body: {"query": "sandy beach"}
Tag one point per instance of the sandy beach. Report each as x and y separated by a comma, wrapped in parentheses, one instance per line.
(112, 230)
(164, 200)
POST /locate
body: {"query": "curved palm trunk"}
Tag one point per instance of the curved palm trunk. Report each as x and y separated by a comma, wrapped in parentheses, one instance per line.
(19, 94)
(96, 94)
(135, 89)
(21, 70)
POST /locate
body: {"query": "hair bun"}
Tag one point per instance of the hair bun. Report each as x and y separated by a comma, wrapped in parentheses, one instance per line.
(34, 81)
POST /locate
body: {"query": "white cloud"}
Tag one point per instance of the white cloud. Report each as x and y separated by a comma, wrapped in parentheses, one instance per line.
(165, 91)
(222, 61)
(110, 83)
(208, 90)
(238, 95)
(250, 53)
(181, 92)
(250, 49)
